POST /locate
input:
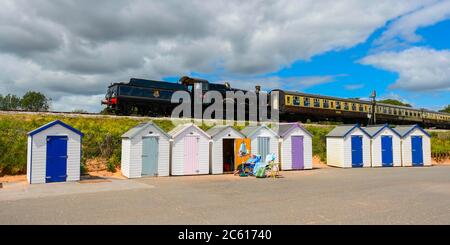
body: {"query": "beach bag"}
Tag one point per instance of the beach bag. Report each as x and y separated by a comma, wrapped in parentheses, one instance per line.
(243, 150)
(260, 172)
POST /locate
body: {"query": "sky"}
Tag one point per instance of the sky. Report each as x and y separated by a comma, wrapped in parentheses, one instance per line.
(71, 50)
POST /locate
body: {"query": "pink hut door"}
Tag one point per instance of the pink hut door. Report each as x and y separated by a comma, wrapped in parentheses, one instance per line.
(297, 152)
(191, 155)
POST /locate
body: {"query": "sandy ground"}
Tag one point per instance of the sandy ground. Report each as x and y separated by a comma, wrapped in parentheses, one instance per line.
(446, 162)
(11, 179)
(89, 176)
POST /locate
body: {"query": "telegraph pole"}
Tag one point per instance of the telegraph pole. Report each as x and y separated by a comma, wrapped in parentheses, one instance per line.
(372, 116)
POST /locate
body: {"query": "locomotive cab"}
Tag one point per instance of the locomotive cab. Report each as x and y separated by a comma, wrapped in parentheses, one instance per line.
(195, 83)
(111, 95)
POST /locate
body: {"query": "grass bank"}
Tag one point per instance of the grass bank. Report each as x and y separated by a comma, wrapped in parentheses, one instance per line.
(102, 139)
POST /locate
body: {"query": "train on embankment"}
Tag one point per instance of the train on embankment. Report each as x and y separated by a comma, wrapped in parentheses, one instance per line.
(153, 98)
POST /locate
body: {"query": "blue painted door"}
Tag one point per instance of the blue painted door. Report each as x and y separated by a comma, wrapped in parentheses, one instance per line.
(263, 147)
(386, 151)
(357, 151)
(417, 150)
(150, 156)
(56, 165)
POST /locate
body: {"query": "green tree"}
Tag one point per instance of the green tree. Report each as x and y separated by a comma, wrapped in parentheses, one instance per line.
(394, 102)
(10, 102)
(446, 109)
(35, 101)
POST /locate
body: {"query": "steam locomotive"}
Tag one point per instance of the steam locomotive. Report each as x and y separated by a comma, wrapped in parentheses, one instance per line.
(153, 98)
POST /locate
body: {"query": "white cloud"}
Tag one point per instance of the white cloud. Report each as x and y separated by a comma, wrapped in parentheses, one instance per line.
(354, 86)
(404, 28)
(418, 68)
(76, 48)
(297, 83)
(90, 103)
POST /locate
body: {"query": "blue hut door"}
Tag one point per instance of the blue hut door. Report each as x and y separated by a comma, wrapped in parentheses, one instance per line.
(417, 150)
(386, 151)
(357, 151)
(150, 156)
(263, 147)
(56, 165)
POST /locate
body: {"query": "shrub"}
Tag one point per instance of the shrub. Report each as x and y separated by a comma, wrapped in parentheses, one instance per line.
(319, 141)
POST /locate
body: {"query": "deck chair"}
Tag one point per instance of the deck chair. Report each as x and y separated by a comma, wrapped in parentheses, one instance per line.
(273, 169)
(249, 166)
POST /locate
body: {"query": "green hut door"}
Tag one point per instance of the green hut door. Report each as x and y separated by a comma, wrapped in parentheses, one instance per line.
(150, 156)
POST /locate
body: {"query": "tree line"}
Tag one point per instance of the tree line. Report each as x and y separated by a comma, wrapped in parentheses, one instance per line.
(31, 101)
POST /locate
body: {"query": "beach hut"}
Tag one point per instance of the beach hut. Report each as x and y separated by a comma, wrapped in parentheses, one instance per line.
(348, 146)
(385, 146)
(415, 145)
(54, 153)
(225, 149)
(190, 150)
(263, 140)
(145, 151)
(295, 147)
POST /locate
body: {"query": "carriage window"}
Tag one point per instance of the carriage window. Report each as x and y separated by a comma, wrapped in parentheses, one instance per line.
(385, 110)
(306, 102)
(332, 104)
(353, 107)
(338, 105)
(345, 106)
(296, 101)
(288, 100)
(316, 103)
(361, 108)
(326, 104)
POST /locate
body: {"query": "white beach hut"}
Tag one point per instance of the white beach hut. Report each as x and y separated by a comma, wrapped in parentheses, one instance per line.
(385, 146)
(145, 151)
(54, 153)
(263, 140)
(295, 146)
(415, 145)
(190, 150)
(348, 146)
(225, 143)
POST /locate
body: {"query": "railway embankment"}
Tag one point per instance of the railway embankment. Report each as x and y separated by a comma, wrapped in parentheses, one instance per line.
(102, 140)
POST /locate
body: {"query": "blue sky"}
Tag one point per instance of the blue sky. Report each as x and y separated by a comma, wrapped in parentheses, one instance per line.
(72, 50)
(348, 78)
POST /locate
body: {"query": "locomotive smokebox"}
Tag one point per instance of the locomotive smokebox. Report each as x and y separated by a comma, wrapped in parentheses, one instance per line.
(257, 88)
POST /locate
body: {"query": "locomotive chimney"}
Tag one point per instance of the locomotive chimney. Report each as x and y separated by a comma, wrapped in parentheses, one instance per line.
(257, 88)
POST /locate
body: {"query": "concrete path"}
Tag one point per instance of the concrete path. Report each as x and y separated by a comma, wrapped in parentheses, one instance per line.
(325, 196)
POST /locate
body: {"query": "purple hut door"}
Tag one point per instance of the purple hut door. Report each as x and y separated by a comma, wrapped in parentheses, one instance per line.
(297, 152)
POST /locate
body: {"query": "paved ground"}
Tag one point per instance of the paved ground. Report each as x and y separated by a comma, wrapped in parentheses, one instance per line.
(326, 196)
